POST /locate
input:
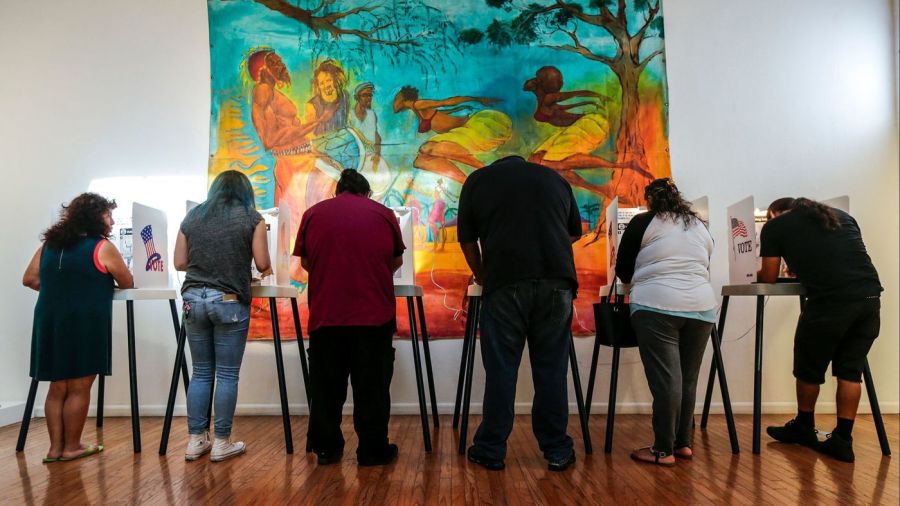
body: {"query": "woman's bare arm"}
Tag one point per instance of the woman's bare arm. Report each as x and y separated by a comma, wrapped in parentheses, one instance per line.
(32, 276)
(112, 260)
(261, 249)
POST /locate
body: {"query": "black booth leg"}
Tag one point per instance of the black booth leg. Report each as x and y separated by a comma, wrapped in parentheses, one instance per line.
(719, 364)
(101, 394)
(282, 386)
(428, 370)
(579, 398)
(876, 411)
(304, 366)
(185, 376)
(468, 339)
(757, 373)
(611, 408)
(712, 368)
(474, 310)
(420, 386)
(26, 417)
(132, 380)
(592, 377)
(173, 389)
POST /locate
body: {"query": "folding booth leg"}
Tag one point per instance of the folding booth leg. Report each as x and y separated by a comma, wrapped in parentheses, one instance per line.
(579, 399)
(611, 409)
(876, 411)
(101, 394)
(282, 386)
(26, 417)
(132, 380)
(719, 364)
(304, 366)
(184, 369)
(468, 339)
(428, 371)
(757, 373)
(420, 387)
(712, 369)
(592, 377)
(173, 389)
(474, 310)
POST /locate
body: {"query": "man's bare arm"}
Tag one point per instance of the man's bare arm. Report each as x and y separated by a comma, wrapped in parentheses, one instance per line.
(473, 257)
(769, 271)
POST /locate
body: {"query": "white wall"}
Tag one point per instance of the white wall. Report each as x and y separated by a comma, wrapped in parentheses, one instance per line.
(766, 97)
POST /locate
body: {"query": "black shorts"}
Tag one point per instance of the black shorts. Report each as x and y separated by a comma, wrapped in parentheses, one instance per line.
(839, 332)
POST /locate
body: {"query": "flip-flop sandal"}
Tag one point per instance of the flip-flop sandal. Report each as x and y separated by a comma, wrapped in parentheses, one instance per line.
(50, 460)
(656, 454)
(90, 450)
(683, 456)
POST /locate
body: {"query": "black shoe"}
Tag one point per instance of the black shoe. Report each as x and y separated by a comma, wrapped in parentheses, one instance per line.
(561, 464)
(793, 432)
(328, 458)
(484, 461)
(837, 447)
(379, 459)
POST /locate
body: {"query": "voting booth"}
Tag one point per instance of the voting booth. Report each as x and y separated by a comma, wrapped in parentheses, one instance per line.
(742, 251)
(406, 274)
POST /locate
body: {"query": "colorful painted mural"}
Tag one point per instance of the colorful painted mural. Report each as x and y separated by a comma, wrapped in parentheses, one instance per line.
(417, 94)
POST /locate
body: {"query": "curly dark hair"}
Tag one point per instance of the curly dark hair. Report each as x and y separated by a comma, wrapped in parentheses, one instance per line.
(409, 93)
(83, 216)
(664, 200)
(823, 215)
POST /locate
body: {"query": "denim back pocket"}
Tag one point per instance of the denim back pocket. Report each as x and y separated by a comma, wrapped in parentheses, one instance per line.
(231, 312)
(562, 305)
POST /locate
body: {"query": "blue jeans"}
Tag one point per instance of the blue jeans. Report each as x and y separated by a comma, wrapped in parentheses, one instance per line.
(538, 311)
(217, 334)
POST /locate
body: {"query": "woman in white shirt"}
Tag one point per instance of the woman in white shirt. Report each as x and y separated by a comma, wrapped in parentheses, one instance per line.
(664, 253)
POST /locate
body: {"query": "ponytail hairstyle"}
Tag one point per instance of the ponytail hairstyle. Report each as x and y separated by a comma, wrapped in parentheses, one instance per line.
(664, 200)
(82, 217)
(353, 182)
(823, 215)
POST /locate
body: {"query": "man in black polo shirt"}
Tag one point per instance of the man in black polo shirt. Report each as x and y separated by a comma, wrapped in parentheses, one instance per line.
(525, 217)
(823, 247)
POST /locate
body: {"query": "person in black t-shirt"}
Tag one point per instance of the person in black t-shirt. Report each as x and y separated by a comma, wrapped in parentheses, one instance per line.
(823, 248)
(525, 217)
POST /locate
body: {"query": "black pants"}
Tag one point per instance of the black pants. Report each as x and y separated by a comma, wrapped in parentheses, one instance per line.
(671, 349)
(365, 355)
(538, 311)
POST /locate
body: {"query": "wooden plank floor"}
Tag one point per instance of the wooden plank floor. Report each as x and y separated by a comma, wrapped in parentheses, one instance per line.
(266, 475)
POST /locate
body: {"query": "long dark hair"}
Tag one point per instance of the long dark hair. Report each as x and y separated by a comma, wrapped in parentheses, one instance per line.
(353, 182)
(83, 216)
(229, 189)
(823, 215)
(665, 201)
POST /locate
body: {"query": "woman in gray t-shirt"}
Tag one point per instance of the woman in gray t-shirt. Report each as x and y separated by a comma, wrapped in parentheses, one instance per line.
(215, 245)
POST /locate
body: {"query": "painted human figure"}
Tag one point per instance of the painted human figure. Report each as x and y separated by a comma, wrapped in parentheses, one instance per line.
(364, 124)
(580, 134)
(459, 139)
(277, 124)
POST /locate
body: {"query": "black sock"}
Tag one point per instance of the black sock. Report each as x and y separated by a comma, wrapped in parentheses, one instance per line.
(806, 418)
(844, 428)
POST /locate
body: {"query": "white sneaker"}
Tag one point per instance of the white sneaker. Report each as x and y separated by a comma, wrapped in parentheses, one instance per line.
(224, 449)
(198, 446)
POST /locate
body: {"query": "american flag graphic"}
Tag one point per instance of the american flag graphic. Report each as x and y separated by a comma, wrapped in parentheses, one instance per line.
(738, 229)
(154, 259)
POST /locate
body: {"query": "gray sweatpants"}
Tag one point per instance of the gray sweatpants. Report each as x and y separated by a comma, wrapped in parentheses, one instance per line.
(671, 349)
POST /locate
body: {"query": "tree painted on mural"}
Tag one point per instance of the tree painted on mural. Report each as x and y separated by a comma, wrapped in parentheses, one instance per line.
(402, 32)
(555, 25)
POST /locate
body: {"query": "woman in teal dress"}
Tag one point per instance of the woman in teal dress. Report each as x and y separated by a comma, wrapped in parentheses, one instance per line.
(73, 271)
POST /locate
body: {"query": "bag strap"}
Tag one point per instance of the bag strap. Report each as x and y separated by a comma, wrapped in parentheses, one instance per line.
(612, 290)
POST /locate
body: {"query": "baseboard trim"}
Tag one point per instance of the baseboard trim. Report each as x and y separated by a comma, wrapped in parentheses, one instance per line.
(11, 412)
(522, 408)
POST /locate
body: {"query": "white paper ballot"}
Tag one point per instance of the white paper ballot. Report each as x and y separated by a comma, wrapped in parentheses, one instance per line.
(742, 259)
(406, 274)
(151, 256)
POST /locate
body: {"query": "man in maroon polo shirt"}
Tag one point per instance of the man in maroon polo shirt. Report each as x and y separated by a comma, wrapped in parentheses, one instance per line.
(351, 246)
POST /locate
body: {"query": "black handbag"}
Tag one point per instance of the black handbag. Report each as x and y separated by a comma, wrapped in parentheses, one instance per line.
(612, 318)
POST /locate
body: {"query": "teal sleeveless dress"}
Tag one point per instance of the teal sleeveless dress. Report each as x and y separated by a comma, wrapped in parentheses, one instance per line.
(71, 335)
